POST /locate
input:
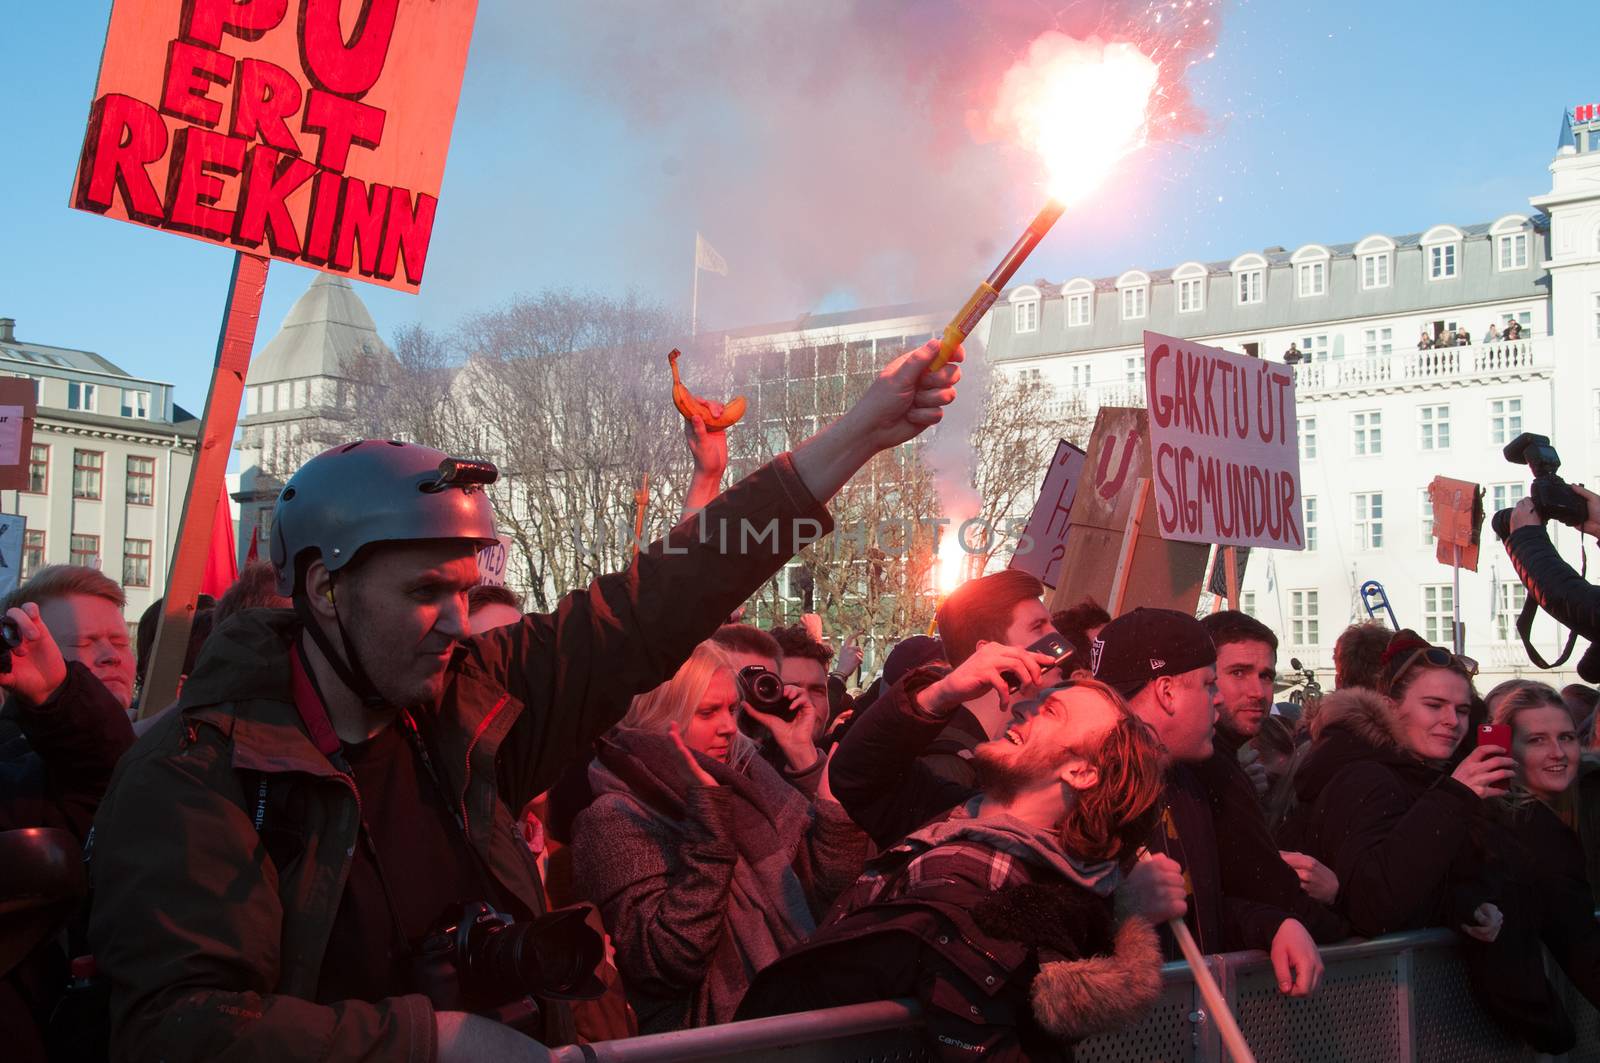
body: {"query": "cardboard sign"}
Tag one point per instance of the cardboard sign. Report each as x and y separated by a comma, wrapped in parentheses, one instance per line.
(314, 132)
(1155, 571)
(1457, 520)
(492, 562)
(18, 405)
(1051, 518)
(13, 531)
(1224, 446)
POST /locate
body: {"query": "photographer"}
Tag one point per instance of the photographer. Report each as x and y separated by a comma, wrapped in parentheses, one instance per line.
(64, 731)
(1559, 590)
(706, 863)
(275, 855)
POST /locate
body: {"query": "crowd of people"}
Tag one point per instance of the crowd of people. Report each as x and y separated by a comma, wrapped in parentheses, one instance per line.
(1462, 337)
(391, 816)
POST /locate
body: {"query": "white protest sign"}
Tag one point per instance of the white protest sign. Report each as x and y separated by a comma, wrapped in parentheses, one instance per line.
(492, 562)
(12, 534)
(1049, 523)
(1224, 451)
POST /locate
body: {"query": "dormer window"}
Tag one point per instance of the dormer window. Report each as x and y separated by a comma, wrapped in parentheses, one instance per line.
(1441, 248)
(1249, 279)
(1311, 271)
(1025, 302)
(1079, 295)
(1376, 255)
(1190, 281)
(1510, 235)
(1134, 287)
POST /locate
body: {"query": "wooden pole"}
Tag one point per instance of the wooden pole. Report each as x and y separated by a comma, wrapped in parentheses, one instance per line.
(206, 479)
(1457, 639)
(1130, 538)
(1231, 559)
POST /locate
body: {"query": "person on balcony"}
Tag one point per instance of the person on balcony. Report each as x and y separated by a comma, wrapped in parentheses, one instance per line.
(1425, 341)
(1513, 329)
(1463, 337)
(1493, 335)
(1293, 355)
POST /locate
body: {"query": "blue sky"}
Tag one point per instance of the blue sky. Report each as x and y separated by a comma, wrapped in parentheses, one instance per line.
(1323, 126)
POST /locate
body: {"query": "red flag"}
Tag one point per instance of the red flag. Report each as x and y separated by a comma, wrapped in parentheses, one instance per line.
(222, 563)
(254, 555)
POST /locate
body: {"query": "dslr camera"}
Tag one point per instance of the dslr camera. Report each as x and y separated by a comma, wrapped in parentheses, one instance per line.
(762, 690)
(480, 960)
(1552, 496)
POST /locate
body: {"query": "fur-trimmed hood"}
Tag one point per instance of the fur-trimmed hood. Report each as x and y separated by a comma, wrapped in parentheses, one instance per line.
(1353, 726)
(1364, 713)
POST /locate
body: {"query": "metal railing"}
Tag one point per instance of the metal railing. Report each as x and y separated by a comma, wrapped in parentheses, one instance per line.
(1439, 365)
(1397, 999)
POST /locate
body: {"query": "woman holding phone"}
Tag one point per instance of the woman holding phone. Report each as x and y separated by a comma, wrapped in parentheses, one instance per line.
(1380, 805)
(1553, 792)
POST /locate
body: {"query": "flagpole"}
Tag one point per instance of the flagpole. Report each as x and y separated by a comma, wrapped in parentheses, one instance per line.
(694, 302)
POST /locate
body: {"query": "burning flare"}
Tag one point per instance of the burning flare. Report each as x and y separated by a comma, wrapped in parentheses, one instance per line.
(1080, 105)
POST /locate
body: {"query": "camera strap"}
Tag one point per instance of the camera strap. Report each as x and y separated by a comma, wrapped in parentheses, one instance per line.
(1530, 609)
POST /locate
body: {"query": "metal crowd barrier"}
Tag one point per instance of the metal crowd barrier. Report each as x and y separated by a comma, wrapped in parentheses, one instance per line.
(1397, 999)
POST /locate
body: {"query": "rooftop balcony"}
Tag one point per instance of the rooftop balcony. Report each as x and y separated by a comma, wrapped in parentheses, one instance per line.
(1507, 360)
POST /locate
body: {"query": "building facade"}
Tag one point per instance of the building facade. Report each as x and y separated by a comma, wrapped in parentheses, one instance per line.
(1383, 405)
(108, 469)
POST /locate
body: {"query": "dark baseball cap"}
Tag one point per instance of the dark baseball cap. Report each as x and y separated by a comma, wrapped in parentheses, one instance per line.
(1137, 647)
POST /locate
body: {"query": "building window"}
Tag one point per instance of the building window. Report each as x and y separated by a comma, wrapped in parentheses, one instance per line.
(1081, 376)
(1310, 503)
(1247, 603)
(80, 396)
(1028, 315)
(1377, 341)
(252, 401)
(283, 395)
(268, 398)
(1512, 597)
(84, 550)
(302, 394)
(1505, 496)
(1315, 348)
(1441, 261)
(1134, 302)
(136, 404)
(1438, 613)
(1312, 278)
(1369, 520)
(1505, 420)
(1250, 286)
(1597, 317)
(87, 466)
(39, 469)
(1433, 427)
(32, 552)
(1303, 618)
(141, 480)
(1375, 270)
(1367, 433)
(1511, 251)
(1427, 518)
(1191, 295)
(1133, 370)
(1078, 309)
(1308, 438)
(136, 563)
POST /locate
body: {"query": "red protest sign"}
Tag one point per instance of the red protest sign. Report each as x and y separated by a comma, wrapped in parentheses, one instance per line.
(1457, 520)
(1223, 446)
(315, 135)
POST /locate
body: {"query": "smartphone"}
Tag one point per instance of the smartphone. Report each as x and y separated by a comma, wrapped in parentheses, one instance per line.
(1053, 644)
(1495, 734)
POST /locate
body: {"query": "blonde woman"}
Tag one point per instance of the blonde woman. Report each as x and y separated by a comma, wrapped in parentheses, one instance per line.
(704, 860)
(1556, 800)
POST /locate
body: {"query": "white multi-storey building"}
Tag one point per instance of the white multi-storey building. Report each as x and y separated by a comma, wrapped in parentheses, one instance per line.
(1378, 417)
(108, 468)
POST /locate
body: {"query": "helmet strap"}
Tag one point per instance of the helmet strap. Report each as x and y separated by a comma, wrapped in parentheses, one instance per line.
(347, 665)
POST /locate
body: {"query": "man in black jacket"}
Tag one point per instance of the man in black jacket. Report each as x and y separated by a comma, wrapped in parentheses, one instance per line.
(1247, 658)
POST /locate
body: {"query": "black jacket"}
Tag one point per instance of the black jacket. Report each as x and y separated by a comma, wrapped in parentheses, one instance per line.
(1549, 861)
(1559, 590)
(1251, 866)
(1396, 831)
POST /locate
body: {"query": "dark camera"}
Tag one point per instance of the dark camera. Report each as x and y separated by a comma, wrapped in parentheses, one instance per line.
(480, 960)
(1553, 497)
(762, 690)
(10, 639)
